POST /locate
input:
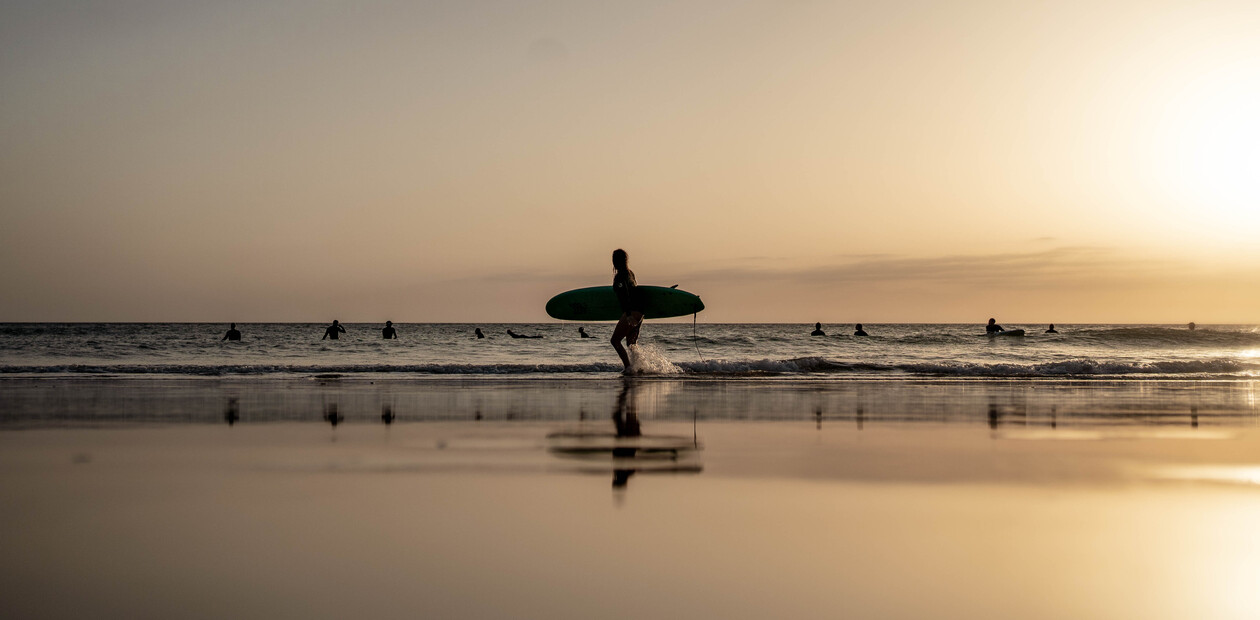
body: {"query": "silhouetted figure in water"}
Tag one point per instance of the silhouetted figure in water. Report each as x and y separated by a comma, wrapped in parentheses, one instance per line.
(626, 289)
(232, 413)
(516, 335)
(232, 334)
(478, 332)
(993, 327)
(387, 414)
(1052, 330)
(858, 331)
(582, 332)
(818, 330)
(333, 330)
(389, 333)
(1192, 326)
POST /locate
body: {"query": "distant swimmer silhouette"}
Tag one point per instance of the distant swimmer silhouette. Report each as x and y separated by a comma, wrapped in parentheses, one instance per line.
(478, 332)
(1052, 330)
(232, 334)
(333, 330)
(858, 331)
(993, 327)
(626, 288)
(818, 330)
(582, 332)
(1192, 326)
(516, 335)
(389, 333)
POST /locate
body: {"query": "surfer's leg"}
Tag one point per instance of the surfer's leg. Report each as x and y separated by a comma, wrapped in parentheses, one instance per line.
(636, 321)
(621, 331)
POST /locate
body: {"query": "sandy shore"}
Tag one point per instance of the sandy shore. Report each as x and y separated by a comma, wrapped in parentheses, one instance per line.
(594, 500)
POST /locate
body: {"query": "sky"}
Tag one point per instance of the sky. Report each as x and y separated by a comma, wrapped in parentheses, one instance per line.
(788, 161)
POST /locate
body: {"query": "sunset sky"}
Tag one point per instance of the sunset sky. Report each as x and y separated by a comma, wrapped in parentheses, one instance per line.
(788, 161)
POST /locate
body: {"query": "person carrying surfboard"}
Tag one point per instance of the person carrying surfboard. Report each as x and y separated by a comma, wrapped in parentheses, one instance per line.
(624, 286)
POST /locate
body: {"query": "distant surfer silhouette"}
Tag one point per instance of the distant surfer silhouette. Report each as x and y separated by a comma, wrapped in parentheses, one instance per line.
(232, 334)
(993, 327)
(818, 330)
(858, 331)
(1191, 326)
(333, 330)
(582, 332)
(626, 289)
(1052, 330)
(478, 332)
(516, 335)
(389, 333)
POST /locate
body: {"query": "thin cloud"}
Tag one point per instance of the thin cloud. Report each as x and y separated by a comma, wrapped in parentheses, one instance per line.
(1058, 264)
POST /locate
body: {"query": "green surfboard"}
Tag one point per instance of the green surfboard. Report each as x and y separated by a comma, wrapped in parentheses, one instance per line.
(599, 303)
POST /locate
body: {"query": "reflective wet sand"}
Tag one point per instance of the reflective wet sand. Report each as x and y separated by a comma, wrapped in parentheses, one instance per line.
(617, 499)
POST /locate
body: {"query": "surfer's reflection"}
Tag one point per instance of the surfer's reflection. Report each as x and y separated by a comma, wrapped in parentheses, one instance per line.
(627, 449)
(626, 421)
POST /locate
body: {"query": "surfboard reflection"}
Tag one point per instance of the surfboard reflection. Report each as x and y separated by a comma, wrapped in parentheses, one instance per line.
(627, 450)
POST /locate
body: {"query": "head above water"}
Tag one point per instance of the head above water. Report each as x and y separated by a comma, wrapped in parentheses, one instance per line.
(233, 326)
(992, 321)
(620, 259)
(335, 322)
(858, 327)
(388, 323)
(817, 325)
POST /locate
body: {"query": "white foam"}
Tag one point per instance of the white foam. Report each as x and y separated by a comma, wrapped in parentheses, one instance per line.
(646, 359)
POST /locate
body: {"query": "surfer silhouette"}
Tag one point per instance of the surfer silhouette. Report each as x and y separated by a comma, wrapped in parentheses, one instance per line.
(478, 332)
(582, 332)
(858, 331)
(993, 327)
(1192, 326)
(516, 335)
(389, 333)
(232, 334)
(818, 330)
(1052, 330)
(333, 330)
(626, 289)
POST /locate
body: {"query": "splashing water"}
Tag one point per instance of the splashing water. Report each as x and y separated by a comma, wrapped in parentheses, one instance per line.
(647, 359)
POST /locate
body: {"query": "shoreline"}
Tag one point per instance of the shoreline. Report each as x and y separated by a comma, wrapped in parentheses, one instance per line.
(1001, 402)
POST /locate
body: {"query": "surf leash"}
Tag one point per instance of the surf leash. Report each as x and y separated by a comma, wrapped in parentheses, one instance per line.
(694, 340)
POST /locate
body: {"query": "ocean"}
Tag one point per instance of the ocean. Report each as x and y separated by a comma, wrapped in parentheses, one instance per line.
(748, 471)
(666, 349)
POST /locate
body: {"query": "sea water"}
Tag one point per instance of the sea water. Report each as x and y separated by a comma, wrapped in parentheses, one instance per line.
(746, 350)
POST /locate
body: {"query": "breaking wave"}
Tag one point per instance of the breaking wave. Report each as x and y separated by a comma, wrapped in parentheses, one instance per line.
(763, 367)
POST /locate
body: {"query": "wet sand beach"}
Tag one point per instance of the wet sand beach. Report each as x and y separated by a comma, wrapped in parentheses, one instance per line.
(625, 498)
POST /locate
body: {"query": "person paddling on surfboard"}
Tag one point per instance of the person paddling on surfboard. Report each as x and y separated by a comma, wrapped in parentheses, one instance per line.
(993, 327)
(624, 286)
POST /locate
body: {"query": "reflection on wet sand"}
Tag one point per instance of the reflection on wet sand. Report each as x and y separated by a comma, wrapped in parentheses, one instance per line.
(1005, 403)
(629, 450)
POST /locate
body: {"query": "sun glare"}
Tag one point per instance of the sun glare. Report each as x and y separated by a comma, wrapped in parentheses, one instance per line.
(1211, 148)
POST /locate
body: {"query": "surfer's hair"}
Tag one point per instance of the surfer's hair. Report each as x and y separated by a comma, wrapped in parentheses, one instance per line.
(620, 258)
